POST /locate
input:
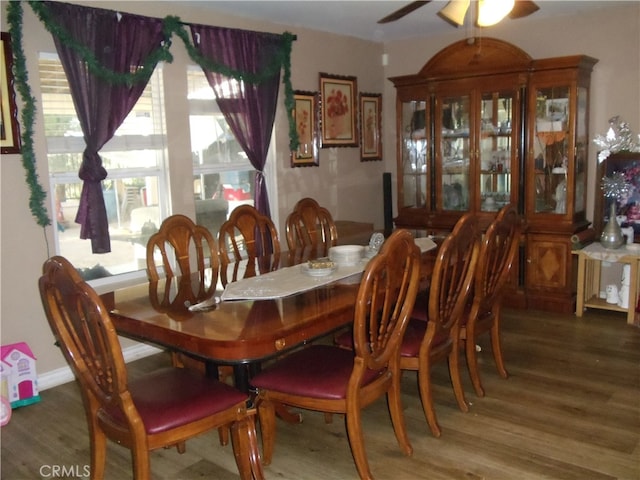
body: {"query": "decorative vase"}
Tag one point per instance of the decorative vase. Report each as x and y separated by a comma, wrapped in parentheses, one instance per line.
(612, 237)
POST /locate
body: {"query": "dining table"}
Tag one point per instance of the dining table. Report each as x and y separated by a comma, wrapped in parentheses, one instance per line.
(193, 314)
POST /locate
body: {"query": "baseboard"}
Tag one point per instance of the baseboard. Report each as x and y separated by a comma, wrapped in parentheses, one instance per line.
(63, 375)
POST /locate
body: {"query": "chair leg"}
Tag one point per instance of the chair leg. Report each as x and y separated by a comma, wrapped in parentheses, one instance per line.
(472, 366)
(394, 401)
(287, 415)
(141, 463)
(223, 435)
(497, 349)
(456, 380)
(98, 452)
(245, 449)
(356, 442)
(426, 396)
(267, 417)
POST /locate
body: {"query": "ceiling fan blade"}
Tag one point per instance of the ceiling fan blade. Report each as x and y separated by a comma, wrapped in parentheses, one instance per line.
(407, 9)
(523, 8)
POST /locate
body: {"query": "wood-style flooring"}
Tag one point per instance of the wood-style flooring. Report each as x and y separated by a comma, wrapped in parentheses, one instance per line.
(570, 410)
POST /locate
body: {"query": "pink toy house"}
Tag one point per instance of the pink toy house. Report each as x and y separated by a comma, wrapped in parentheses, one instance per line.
(19, 368)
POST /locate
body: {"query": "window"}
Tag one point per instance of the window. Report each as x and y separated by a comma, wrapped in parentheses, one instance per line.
(222, 174)
(135, 190)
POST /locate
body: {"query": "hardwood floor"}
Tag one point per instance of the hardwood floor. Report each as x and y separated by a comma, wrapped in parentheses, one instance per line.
(570, 410)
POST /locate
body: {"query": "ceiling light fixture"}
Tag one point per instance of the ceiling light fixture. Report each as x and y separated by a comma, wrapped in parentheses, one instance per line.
(490, 12)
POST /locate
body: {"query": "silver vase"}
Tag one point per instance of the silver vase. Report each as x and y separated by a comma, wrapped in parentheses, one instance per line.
(612, 237)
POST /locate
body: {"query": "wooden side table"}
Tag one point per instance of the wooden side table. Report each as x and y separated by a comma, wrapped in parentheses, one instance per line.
(590, 260)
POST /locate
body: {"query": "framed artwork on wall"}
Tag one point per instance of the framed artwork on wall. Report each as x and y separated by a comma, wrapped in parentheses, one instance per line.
(9, 127)
(305, 114)
(370, 126)
(338, 98)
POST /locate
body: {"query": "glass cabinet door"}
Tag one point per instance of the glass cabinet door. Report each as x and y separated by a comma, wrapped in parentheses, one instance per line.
(497, 152)
(582, 147)
(453, 114)
(414, 154)
(551, 149)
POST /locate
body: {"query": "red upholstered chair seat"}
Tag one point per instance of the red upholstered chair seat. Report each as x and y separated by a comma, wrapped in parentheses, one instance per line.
(318, 371)
(171, 397)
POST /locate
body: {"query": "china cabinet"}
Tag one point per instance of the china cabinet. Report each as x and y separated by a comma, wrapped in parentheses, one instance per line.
(482, 124)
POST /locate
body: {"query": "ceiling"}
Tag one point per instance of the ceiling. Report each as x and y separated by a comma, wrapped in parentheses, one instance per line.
(359, 18)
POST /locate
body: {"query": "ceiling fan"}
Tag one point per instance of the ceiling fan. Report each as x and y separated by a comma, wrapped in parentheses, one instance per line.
(455, 10)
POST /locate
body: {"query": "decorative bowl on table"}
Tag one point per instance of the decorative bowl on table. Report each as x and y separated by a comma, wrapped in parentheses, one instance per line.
(346, 254)
(320, 267)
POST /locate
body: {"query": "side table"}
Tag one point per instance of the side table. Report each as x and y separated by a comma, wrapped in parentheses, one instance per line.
(590, 260)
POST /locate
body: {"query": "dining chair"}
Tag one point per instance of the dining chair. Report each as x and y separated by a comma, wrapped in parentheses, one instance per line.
(160, 409)
(177, 252)
(432, 332)
(311, 226)
(327, 378)
(247, 238)
(184, 248)
(498, 250)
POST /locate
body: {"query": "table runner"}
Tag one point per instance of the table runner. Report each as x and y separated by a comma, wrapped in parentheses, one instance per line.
(291, 280)
(284, 282)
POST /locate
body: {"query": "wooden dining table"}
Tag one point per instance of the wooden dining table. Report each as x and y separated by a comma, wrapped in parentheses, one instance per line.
(240, 333)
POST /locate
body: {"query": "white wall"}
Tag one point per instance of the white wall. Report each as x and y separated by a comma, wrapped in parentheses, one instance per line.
(349, 188)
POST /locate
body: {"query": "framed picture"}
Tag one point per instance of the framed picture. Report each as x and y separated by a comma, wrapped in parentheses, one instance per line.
(305, 114)
(338, 98)
(370, 126)
(9, 127)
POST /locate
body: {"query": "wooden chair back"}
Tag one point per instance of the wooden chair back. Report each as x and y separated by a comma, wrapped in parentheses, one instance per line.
(311, 226)
(385, 301)
(452, 276)
(498, 251)
(89, 343)
(183, 247)
(247, 236)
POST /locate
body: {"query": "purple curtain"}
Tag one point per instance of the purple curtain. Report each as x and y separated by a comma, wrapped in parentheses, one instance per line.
(120, 43)
(249, 109)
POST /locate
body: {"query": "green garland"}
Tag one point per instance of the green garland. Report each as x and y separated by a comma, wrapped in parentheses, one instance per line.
(141, 74)
(37, 196)
(171, 25)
